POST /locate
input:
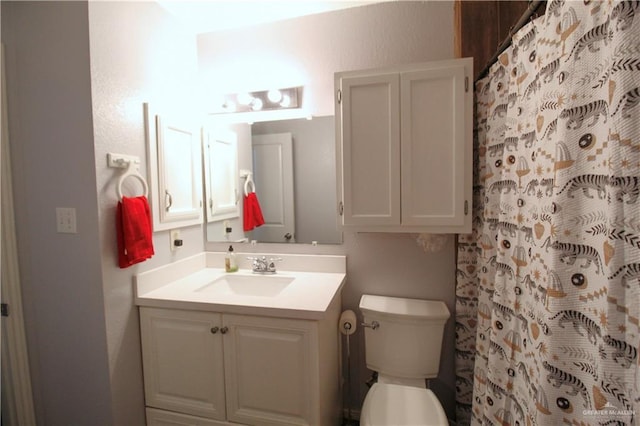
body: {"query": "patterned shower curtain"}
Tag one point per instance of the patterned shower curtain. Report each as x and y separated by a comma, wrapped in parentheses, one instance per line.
(548, 283)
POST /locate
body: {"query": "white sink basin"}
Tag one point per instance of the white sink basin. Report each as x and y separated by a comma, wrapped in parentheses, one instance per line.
(247, 285)
(305, 291)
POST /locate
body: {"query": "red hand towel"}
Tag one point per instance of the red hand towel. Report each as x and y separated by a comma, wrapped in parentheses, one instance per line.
(252, 212)
(135, 234)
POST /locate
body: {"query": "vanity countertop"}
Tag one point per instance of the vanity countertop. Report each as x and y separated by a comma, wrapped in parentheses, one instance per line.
(185, 284)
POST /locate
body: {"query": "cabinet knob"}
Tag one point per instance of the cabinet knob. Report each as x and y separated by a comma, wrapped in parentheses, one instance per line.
(224, 330)
(214, 330)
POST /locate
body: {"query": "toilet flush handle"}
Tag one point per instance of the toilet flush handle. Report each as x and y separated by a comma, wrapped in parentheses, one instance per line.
(374, 325)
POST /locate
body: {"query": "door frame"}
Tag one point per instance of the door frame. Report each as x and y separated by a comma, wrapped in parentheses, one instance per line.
(18, 404)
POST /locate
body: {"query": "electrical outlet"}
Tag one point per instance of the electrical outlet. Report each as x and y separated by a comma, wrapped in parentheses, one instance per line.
(66, 220)
(174, 239)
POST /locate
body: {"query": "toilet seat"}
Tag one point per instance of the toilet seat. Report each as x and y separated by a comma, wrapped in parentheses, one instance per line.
(397, 405)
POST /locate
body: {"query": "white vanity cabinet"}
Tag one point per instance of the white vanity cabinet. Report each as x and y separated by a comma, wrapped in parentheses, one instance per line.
(404, 148)
(183, 361)
(207, 368)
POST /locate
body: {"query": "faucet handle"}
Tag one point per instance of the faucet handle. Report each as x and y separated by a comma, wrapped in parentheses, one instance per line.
(272, 262)
(271, 266)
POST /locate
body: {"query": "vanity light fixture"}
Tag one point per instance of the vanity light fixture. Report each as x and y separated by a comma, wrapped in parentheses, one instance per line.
(265, 100)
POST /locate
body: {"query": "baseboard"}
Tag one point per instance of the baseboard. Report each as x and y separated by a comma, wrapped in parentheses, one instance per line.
(355, 414)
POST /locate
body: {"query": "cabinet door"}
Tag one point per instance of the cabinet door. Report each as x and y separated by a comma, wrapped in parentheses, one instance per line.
(404, 147)
(270, 376)
(433, 146)
(175, 158)
(183, 361)
(221, 175)
(178, 170)
(370, 149)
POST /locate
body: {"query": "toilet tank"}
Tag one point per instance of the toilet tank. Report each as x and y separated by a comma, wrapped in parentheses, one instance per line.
(408, 341)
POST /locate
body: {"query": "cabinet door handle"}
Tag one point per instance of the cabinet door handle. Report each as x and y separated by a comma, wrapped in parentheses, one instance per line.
(214, 330)
(224, 330)
(168, 200)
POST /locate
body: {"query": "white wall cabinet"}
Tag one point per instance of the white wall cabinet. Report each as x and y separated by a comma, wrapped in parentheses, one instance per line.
(209, 368)
(175, 155)
(404, 148)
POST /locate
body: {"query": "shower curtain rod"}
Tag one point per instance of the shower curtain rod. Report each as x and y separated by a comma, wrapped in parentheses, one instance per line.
(531, 9)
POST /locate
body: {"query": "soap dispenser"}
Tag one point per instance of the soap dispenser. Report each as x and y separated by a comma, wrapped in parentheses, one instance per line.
(230, 264)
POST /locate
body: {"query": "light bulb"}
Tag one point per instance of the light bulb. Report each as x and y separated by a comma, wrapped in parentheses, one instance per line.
(256, 104)
(244, 98)
(286, 101)
(274, 96)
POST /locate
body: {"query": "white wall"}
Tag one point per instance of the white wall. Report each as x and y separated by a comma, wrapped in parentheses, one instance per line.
(51, 135)
(308, 51)
(138, 54)
(77, 75)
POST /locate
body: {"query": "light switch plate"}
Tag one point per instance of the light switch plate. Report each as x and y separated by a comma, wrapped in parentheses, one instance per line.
(66, 220)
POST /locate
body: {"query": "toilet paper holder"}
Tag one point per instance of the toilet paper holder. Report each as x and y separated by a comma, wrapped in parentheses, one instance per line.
(374, 325)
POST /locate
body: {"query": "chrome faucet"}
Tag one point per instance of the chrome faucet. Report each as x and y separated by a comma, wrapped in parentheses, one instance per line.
(261, 265)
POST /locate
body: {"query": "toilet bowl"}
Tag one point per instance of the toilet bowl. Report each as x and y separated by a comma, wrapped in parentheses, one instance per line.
(398, 405)
(403, 341)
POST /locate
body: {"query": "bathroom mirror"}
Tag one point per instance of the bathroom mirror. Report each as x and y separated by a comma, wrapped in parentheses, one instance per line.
(313, 182)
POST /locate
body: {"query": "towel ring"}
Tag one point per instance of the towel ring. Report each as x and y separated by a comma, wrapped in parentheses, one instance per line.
(248, 182)
(246, 186)
(132, 171)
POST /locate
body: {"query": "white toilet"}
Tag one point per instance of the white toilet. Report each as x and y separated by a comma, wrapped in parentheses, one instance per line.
(403, 340)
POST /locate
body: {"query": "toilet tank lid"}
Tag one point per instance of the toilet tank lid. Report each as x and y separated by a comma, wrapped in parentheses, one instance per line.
(415, 308)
